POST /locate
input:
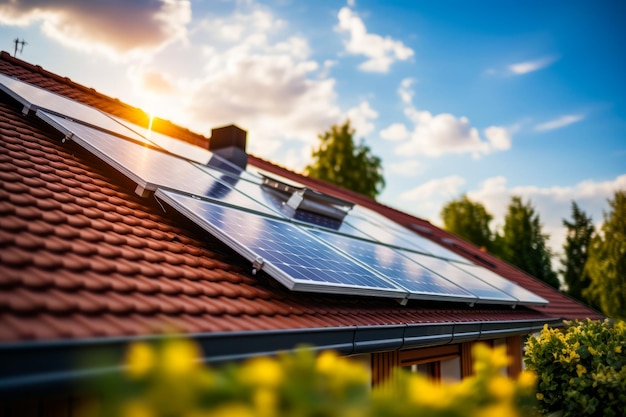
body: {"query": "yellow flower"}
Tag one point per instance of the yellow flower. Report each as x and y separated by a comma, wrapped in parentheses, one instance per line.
(139, 360)
(262, 371)
(592, 350)
(501, 387)
(327, 362)
(539, 396)
(427, 393)
(497, 410)
(527, 379)
(179, 356)
(618, 349)
(232, 410)
(136, 408)
(265, 401)
(580, 370)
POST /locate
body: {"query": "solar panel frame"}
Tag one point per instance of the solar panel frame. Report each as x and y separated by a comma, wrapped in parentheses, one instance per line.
(312, 254)
(524, 296)
(486, 293)
(163, 170)
(421, 282)
(34, 98)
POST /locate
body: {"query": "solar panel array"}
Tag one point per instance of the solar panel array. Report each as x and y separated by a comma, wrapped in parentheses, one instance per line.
(365, 254)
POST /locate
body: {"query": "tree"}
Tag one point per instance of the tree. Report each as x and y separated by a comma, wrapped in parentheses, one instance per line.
(606, 264)
(468, 219)
(523, 244)
(339, 161)
(579, 232)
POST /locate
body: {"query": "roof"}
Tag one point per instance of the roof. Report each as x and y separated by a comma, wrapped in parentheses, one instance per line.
(83, 258)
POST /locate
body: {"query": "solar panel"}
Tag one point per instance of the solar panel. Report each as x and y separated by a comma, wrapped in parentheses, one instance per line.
(285, 251)
(148, 167)
(345, 261)
(421, 282)
(34, 98)
(486, 293)
(401, 237)
(524, 296)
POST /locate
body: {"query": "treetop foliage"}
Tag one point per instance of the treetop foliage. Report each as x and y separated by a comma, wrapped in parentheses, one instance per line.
(470, 220)
(338, 160)
(524, 245)
(576, 249)
(606, 264)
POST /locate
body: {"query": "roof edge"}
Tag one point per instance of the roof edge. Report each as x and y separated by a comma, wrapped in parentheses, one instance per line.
(59, 365)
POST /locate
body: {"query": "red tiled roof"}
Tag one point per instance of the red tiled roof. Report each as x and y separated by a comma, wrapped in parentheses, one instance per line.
(82, 256)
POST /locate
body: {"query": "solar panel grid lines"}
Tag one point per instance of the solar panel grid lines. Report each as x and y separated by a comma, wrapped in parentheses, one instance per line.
(485, 292)
(35, 98)
(392, 264)
(150, 168)
(384, 230)
(524, 296)
(287, 252)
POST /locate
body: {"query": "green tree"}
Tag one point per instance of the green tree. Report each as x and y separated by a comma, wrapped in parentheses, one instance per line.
(338, 160)
(606, 264)
(470, 220)
(579, 232)
(523, 244)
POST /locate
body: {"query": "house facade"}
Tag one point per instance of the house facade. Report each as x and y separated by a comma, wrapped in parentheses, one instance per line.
(92, 259)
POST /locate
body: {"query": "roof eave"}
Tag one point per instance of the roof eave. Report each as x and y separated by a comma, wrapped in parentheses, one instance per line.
(54, 365)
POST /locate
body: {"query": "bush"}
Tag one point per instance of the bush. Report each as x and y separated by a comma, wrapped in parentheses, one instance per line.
(581, 369)
(169, 380)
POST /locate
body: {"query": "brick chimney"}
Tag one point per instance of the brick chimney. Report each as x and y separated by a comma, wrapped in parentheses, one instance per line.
(229, 142)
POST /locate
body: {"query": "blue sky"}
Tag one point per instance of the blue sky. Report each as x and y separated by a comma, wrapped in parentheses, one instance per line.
(488, 98)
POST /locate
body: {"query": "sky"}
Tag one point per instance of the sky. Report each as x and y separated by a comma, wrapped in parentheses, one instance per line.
(486, 98)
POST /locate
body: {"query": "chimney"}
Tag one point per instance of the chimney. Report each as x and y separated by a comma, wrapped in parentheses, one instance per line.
(229, 142)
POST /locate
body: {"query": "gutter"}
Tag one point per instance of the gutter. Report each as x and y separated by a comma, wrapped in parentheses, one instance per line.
(55, 366)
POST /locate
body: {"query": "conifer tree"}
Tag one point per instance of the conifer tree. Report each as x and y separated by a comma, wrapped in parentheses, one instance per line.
(576, 249)
(524, 245)
(606, 264)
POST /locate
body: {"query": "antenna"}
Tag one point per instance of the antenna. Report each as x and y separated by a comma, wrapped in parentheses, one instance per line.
(19, 43)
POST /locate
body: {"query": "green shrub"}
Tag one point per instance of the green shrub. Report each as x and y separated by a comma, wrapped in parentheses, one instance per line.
(169, 380)
(581, 369)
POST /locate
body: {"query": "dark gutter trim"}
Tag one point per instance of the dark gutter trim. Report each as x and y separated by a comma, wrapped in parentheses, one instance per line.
(32, 366)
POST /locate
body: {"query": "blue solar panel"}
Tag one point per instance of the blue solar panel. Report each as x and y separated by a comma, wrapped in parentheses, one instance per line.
(421, 282)
(296, 257)
(34, 98)
(288, 253)
(524, 296)
(150, 168)
(396, 235)
(486, 293)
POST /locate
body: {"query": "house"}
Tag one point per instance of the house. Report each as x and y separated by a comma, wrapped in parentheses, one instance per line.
(93, 257)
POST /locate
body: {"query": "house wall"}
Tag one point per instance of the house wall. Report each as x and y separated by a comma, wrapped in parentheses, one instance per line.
(445, 362)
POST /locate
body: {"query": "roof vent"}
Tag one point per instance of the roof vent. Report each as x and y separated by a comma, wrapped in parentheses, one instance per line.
(229, 142)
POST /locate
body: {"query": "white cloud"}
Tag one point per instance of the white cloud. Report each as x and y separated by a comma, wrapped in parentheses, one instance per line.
(361, 118)
(439, 187)
(381, 52)
(395, 132)
(499, 138)
(114, 27)
(526, 67)
(553, 204)
(405, 91)
(261, 78)
(405, 168)
(560, 122)
(427, 199)
(439, 134)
